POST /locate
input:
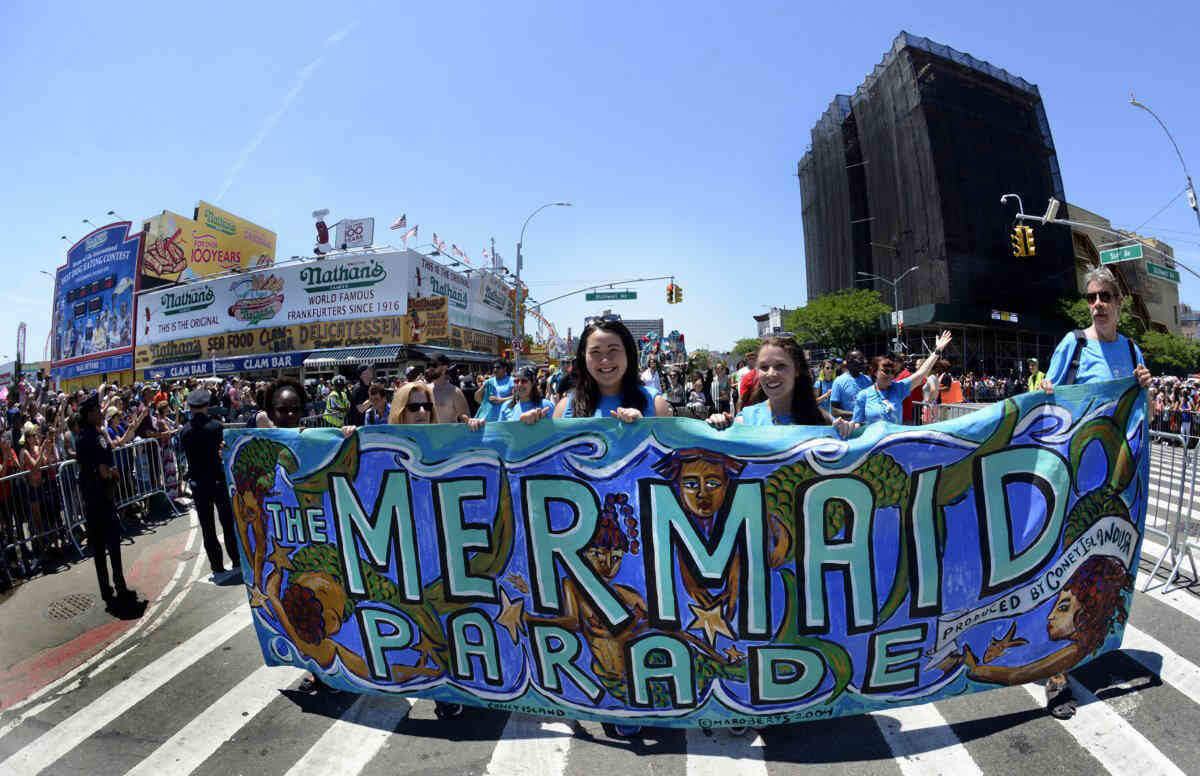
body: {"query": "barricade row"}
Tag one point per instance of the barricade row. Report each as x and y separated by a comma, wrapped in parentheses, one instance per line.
(41, 507)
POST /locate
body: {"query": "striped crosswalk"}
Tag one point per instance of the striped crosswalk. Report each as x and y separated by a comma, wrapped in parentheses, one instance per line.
(252, 716)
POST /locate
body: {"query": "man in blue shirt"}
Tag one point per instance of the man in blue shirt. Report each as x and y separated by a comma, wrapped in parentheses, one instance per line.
(847, 386)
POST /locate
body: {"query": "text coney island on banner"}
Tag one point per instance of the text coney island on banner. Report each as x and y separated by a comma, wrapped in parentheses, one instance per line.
(665, 573)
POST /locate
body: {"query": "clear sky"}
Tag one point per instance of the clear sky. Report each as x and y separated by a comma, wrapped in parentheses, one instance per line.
(673, 127)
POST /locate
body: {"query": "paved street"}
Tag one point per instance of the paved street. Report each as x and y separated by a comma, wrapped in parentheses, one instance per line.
(184, 691)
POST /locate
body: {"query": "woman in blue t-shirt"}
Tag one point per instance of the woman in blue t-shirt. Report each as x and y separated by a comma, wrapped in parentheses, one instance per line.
(1104, 354)
(495, 391)
(882, 400)
(783, 395)
(526, 405)
(608, 383)
(823, 385)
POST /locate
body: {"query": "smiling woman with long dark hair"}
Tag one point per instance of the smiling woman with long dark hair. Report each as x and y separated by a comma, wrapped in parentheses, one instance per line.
(607, 380)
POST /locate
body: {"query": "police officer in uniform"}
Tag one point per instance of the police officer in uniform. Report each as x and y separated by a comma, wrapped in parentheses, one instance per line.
(97, 481)
(201, 439)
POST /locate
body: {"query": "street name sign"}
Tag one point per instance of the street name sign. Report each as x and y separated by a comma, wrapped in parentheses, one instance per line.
(1127, 253)
(606, 296)
(1159, 271)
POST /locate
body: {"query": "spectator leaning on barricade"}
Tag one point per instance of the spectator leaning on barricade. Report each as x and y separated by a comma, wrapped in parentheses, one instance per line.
(1096, 353)
(202, 440)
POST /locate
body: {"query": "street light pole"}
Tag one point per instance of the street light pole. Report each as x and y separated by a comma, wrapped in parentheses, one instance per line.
(895, 284)
(519, 323)
(1190, 188)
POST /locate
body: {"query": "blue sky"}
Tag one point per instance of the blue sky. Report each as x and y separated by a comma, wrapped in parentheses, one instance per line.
(674, 128)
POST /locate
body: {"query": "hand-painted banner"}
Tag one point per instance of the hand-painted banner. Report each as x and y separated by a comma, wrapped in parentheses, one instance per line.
(666, 573)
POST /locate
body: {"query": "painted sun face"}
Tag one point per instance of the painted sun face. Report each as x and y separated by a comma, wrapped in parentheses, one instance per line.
(702, 485)
(1061, 622)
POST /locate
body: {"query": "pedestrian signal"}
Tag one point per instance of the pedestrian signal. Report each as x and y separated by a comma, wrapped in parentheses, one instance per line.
(1030, 248)
(1018, 241)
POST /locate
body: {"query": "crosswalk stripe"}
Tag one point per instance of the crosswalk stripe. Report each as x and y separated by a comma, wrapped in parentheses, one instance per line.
(1177, 671)
(530, 747)
(194, 743)
(923, 742)
(349, 743)
(720, 754)
(1106, 736)
(72, 731)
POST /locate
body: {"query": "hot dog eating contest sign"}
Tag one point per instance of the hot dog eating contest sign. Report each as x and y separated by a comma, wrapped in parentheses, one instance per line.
(340, 302)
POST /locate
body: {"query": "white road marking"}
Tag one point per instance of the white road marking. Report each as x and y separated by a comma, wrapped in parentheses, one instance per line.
(357, 736)
(65, 736)
(529, 746)
(196, 741)
(923, 742)
(721, 754)
(1105, 735)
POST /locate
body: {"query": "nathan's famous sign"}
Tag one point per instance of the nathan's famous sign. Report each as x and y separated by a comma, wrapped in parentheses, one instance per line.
(202, 317)
(181, 249)
(665, 573)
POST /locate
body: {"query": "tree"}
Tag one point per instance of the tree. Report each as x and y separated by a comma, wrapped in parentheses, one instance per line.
(1169, 353)
(838, 321)
(744, 346)
(698, 360)
(1075, 310)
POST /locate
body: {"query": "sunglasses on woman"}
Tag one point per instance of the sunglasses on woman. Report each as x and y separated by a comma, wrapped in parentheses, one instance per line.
(420, 405)
(1103, 296)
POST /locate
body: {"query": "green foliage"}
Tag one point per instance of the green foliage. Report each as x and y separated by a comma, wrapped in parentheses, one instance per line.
(1075, 311)
(1169, 353)
(698, 361)
(840, 320)
(744, 346)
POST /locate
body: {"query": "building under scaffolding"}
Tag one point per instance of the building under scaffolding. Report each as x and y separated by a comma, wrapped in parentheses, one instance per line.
(909, 172)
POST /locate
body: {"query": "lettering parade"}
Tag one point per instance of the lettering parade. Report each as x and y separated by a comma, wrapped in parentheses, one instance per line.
(662, 575)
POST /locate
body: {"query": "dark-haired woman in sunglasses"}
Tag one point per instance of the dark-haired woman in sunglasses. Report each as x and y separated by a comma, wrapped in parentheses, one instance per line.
(883, 399)
(1104, 353)
(526, 405)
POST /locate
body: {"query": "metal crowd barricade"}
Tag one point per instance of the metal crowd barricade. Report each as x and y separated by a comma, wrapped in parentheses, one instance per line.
(1171, 500)
(315, 421)
(33, 513)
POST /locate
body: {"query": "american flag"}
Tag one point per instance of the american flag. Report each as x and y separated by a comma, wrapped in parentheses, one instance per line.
(410, 233)
(400, 222)
(459, 253)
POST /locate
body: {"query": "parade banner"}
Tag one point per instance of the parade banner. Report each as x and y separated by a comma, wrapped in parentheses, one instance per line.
(181, 249)
(666, 573)
(93, 304)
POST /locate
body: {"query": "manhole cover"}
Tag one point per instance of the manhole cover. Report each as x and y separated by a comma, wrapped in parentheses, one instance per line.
(70, 606)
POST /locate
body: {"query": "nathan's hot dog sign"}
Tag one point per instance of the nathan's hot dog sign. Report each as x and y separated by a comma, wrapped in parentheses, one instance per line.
(339, 289)
(180, 249)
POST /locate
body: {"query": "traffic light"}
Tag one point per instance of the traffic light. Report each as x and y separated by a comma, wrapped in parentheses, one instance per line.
(678, 294)
(670, 293)
(1018, 241)
(1030, 248)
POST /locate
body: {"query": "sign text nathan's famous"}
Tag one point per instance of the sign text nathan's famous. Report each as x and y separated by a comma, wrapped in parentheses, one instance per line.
(665, 573)
(337, 289)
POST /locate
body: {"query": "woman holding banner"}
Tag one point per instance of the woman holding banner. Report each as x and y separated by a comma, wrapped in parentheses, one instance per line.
(526, 405)
(608, 382)
(1096, 353)
(784, 393)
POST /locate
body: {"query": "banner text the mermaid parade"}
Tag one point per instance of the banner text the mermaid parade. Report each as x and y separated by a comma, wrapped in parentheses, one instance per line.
(665, 573)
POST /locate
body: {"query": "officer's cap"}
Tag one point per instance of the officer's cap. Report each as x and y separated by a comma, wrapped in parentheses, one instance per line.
(199, 398)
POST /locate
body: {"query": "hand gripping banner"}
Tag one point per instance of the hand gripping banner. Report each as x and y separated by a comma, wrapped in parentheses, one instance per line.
(665, 573)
